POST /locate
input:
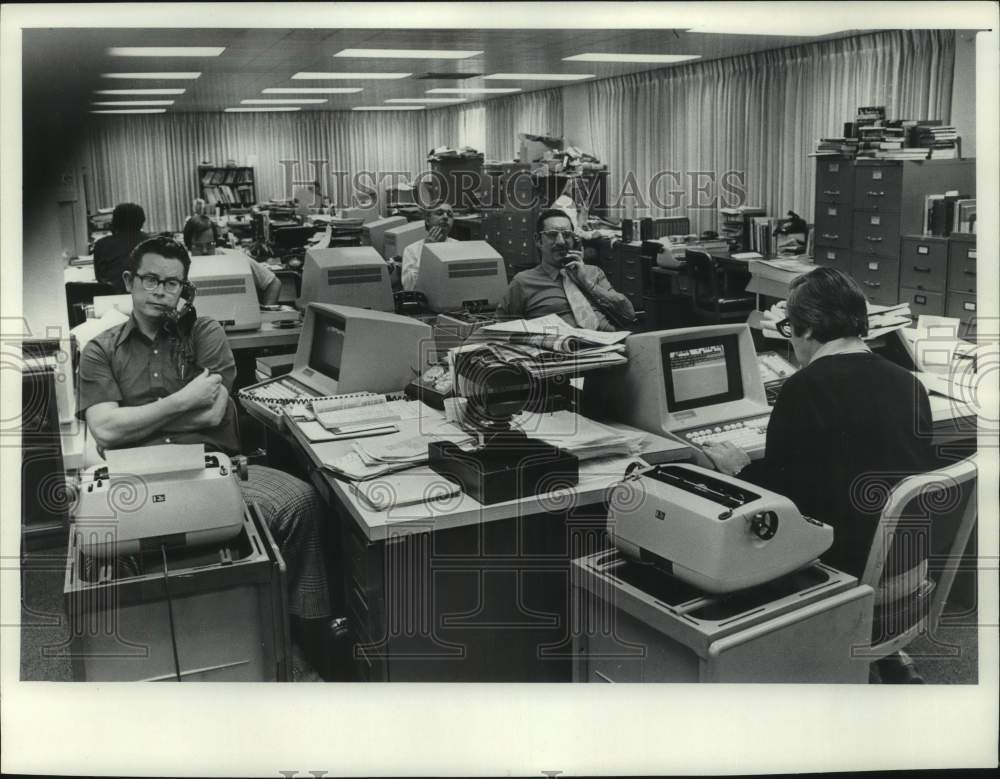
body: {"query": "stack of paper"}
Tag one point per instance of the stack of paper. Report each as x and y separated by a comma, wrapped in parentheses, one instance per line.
(578, 435)
(547, 346)
(405, 490)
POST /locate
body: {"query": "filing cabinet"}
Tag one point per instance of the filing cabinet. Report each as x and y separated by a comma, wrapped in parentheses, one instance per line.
(961, 298)
(869, 222)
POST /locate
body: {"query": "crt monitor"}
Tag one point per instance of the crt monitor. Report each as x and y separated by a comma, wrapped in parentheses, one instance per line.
(680, 379)
(344, 349)
(349, 276)
(398, 238)
(225, 289)
(461, 275)
(373, 233)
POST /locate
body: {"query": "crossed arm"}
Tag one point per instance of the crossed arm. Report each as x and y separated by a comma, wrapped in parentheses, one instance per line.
(200, 404)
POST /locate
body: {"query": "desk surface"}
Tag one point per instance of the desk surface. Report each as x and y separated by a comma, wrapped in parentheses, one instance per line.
(267, 335)
(595, 479)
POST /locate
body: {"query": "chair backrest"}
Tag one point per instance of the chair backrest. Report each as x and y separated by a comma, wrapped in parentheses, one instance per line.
(941, 504)
(704, 272)
(291, 286)
(79, 293)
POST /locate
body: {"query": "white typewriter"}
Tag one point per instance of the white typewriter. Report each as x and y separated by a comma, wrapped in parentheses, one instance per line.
(712, 531)
(143, 498)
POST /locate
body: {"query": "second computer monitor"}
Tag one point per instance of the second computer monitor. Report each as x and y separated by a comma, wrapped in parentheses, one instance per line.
(348, 276)
(344, 349)
(461, 275)
(681, 379)
(373, 233)
(398, 238)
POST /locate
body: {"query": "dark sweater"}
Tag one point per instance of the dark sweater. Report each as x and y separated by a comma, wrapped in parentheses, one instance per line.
(844, 430)
(111, 255)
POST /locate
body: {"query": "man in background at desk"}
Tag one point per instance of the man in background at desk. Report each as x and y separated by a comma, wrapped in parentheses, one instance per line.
(112, 251)
(561, 283)
(439, 221)
(844, 429)
(199, 237)
(164, 379)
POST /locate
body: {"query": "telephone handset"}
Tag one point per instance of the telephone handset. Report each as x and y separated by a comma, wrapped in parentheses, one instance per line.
(178, 322)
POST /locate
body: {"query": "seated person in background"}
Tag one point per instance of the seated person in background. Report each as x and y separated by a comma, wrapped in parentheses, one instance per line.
(439, 221)
(146, 382)
(199, 237)
(844, 427)
(112, 251)
(561, 284)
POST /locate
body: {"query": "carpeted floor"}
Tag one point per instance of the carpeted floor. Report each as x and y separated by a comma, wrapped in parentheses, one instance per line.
(950, 659)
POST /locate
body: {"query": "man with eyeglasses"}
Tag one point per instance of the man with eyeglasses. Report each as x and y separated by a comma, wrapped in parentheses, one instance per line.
(156, 380)
(561, 284)
(199, 238)
(439, 220)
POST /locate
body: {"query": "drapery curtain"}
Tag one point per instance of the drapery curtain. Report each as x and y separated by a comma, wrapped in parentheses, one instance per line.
(757, 114)
(153, 160)
(673, 131)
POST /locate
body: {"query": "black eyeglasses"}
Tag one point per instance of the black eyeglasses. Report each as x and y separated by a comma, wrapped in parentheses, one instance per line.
(784, 327)
(567, 235)
(151, 281)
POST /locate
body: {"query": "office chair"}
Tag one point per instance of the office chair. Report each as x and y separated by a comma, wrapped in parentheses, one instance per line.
(709, 301)
(79, 295)
(940, 504)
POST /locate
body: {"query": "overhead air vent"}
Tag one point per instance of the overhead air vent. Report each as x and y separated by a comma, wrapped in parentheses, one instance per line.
(447, 76)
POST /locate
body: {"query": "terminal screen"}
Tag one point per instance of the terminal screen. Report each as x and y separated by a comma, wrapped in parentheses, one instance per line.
(327, 346)
(701, 372)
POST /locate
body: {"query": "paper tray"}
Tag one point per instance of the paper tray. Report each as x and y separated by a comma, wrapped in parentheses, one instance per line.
(509, 470)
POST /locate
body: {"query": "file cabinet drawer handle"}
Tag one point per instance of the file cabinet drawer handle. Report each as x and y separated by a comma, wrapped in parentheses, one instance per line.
(968, 272)
(872, 284)
(874, 238)
(831, 191)
(831, 237)
(875, 194)
(921, 269)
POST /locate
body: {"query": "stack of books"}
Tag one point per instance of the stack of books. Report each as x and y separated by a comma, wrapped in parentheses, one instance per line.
(949, 213)
(836, 147)
(942, 140)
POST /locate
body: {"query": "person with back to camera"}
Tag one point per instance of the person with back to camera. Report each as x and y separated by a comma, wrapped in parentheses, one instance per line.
(439, 220)
(152, 381)
(111, 252)
(846, 417)
(562, 284)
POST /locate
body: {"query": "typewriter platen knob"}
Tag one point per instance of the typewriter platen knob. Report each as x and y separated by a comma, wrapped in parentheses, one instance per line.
(240, 464)
(764, 525)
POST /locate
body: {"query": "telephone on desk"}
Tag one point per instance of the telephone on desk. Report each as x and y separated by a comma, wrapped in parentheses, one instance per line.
(410, 303)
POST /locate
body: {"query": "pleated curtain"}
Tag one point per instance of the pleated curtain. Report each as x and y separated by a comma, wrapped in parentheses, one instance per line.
(674, 130)
(757, 116)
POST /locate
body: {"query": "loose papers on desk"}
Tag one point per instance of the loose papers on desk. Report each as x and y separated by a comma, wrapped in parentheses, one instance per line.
(547, 346)
(583, 437)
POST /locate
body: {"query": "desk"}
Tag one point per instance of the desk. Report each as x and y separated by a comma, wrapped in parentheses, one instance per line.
(458, 591)
(266, 337)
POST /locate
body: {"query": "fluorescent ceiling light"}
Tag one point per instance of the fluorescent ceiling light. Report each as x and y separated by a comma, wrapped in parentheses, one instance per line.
(132, 111)
(622, 57)
(284, 100)
(416, 54)
(264, 108)
(426, 100)
(139, 91)
(388, 108)
(134, 103)
(472, 91)
(166, 51)
(311, 90)
(174, 75)
(539, 76)
(350, 76)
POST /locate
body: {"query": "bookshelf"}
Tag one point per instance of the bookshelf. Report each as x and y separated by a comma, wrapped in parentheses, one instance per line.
(227, 187)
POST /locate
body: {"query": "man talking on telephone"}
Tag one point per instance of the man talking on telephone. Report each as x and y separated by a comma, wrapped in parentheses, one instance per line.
(164, 377)
(561, 284)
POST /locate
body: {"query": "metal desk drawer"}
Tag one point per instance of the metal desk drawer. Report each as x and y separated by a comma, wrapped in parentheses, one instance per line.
(923, 264)
(962, 266)
(876, 233)
(878, 187)
(922, 302)
(834, 257)
(834, 181)
(833, 224)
